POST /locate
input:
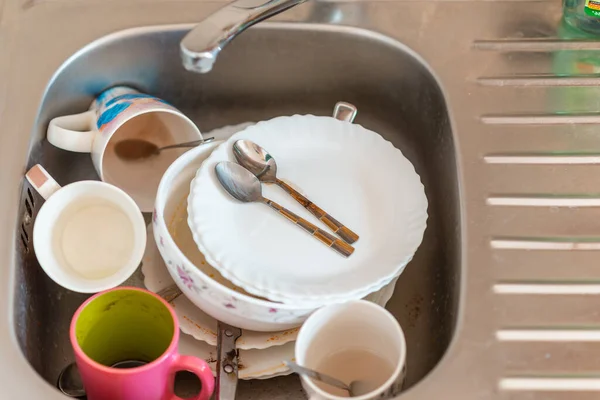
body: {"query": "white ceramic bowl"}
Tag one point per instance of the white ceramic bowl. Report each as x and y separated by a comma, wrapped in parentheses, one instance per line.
(213, 294)
(214, 298)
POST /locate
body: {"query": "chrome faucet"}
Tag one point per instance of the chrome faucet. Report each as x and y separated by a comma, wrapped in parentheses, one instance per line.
(201, 46)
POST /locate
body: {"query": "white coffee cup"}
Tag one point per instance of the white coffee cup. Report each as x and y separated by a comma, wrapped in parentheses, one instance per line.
(89, 236)
(350, 341)
(122, 113)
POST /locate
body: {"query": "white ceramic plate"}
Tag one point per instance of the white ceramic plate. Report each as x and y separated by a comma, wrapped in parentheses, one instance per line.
(192, 320)
(200, 282)
(196, 323)
(351, 172)
(253, 364)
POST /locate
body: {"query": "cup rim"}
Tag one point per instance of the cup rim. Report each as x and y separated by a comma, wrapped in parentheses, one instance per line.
(119, 276)
(146, 197)
(171, 349)
(301, 339)
(158, 108)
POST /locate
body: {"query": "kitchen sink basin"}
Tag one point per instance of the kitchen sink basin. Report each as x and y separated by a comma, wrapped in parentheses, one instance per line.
(271, 70)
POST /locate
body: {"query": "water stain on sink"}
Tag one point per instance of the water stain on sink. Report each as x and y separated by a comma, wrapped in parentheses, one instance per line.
(414, 309)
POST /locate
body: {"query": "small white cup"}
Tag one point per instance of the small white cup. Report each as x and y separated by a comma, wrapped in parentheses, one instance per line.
(88, 236)
(122, 113)
(352, 328)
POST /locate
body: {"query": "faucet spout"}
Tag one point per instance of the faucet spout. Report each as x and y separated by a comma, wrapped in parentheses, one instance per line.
(201, 46)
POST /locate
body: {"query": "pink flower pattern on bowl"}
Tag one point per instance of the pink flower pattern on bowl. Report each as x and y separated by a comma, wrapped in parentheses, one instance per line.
(212, 297)
(186, 279)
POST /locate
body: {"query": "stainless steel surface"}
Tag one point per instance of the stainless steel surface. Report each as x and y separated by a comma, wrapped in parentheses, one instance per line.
(490, 101)
(259, 162)
(255, 159)
(136, 149)
(322, 61)
(227, 361)
(300, 370)
(244, 186)
(69, 382)
(201, 47)
(240, 183)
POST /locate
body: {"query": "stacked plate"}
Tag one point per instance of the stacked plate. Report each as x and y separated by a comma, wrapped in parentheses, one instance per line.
(353, 173)
(249, 267)
(260, 353)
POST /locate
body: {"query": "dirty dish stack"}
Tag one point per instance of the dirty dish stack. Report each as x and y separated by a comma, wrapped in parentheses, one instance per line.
(267, 262)
(248, 276)
(270, 327)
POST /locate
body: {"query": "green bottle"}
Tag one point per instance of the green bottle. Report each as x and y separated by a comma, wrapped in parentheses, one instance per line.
(573, 99)
(583, 15)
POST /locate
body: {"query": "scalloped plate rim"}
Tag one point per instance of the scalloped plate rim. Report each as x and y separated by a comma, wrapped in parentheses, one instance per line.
(279, 295)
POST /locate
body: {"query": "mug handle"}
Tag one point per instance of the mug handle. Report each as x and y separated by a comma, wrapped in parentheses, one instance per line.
(41, 181)
(73, 132)
(198, 367)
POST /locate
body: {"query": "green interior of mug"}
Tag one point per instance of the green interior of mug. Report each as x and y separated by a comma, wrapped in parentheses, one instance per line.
(124, 325)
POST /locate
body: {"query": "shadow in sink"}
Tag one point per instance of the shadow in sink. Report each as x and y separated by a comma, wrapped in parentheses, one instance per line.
(271, 70)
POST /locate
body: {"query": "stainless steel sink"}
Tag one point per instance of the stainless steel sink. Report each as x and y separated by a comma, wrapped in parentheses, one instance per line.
(273, 69)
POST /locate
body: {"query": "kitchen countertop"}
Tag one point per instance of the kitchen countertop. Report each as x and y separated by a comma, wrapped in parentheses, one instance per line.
(528, 152)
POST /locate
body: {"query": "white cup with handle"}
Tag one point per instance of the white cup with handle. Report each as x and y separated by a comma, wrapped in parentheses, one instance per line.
(89, 236)
(353, 341)
(122, 113)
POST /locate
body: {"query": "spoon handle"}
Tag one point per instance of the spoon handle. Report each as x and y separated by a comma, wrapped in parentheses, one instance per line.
(316, 375)
(188, 144)
(332, 223)
(169, 294)
(330, 241)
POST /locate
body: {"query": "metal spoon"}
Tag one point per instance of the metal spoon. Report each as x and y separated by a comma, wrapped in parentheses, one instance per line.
(137, 149)
(242, 185)
(258, 161)
(69, 381)
(355, 388)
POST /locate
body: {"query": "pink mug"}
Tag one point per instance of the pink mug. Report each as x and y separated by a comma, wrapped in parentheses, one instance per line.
(131, 326)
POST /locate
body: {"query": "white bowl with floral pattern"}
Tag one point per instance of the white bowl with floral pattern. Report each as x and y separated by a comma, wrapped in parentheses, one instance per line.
(199, 281)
